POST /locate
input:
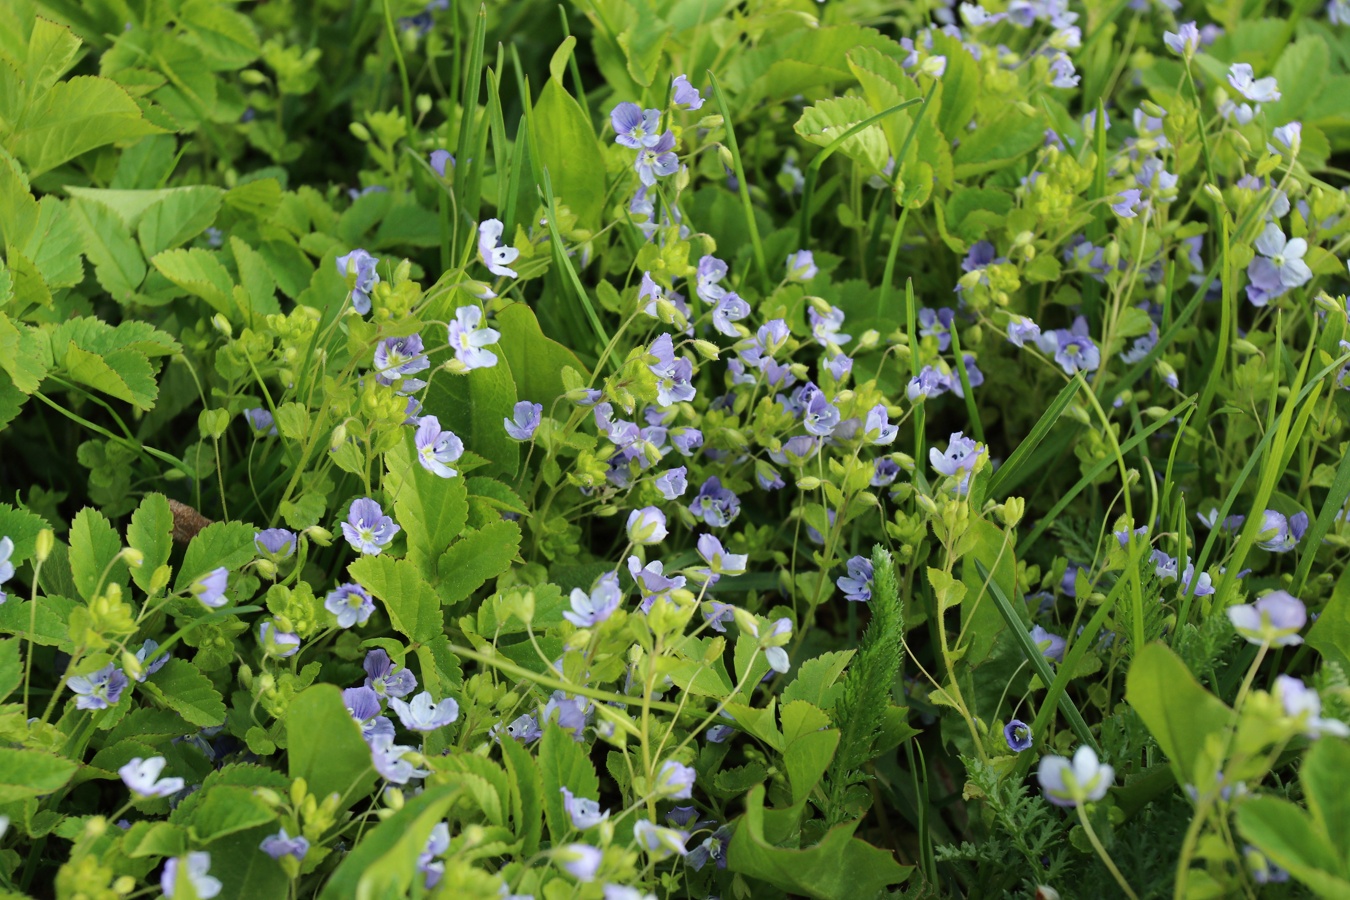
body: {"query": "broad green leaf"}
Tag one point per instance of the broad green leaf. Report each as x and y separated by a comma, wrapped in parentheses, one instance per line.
(1179, 713)
(228, 809)
(154, 839)
(225, 38)
(384, 863)
(980, 618)
(51, 53)
(228, 544)
(256, 279)
(48, 622)
(643, 42)
(475, 558)
(117, 259)
(473, 407)
(94, 546)
(180, 686)
(1323, 774)
(413, 607)
(21, 355)
(998, 142)
(201, 274)
(31, 773)
(151, 532)
(803, 62)
(324, 746)
(124, 374)
(245, 872)
(840, 867)
(1330, 634)
(1292, 840)
(177, 218)
(76, 116)
(527, 794)
(568, 149)
(961, 84)
(824, 122)
(11, 673)
(536, 360)
(563, 763)
(21, 527)
(128, 205)
(816, 679)
(431, 509)
(703, 679)
(1301, 74)
(806, 760)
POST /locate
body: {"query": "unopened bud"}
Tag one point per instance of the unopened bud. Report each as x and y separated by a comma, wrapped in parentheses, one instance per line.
(46, 540)
(132, 557)
(222, 324)
(423, 103)
(359, 131)
(707, 349)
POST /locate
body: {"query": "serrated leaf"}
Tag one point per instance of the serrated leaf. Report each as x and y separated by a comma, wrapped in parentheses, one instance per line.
(411, 603)
(21, 356)
(228, 544)
(201, 274)
(817, 679)
(432, 509)
(324, 746)
(94, 545)
(185, 690)
(225, 37)
(527, 794)
(117, 259)
(11, 674)
(51, 53)
(227, 810)
(478, 556)
(151, 532)
(74, 117)
(823, 123)
(31, 773)
(563, 763)
(48, 622)
(21, 527)
(124, 374)
(177, 218)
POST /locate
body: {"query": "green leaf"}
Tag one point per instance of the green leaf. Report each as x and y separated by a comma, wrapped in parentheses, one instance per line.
(32, 773)
(431, 509)
(1006, 137)
(324, 746)
(21, 355)
(384, 863)
(227, 810)
(178, 217)
(1323, 775)
(1330, 634)
(228, 544)
(201, 274)
(76, 116)
(563, 763)
(180, 686)
(48, 627)
(1179, 713)
(475, 558)
(816, 679)
(11, 673)
(117, 259)
(151, 532)
(1290, 838)
(536, 360)
(94, 545)
(128, 205)
(840, 867)
(225, 38)
(124, 374)
(473, 407)
(1302, 74)
(527, 794)
(21, 527)
(961, 85)
(980, 618)
(411, 603)
(807, 758)
(829, 119)
(568, 149)
(643, 43)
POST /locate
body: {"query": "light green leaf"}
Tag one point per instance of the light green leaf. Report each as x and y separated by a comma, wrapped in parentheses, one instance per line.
(31, 773)
(228, 809)
(177, 218)
(411, 603)
(228, 544)
(151, 532)
(49, 620)
(21, 527)
(117, 259)
(225, 38)
(475, 558)
(527, 794)
(569, 151)
(11, 674)
(998, 142)
(1179, 713)
(124, 374)
(74, 117)
(21, 355)
(94, 546)
(473, 407)
(563, 763)
(431, 509)
(823, 123)
(816, 680)
(180, 686)
(1291, 839)
(384, 863)
(325, 748)
(198, 272)
(536, 360)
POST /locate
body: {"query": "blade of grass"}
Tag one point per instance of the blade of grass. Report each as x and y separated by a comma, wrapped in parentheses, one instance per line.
(742, 184)
(972, 411)
(1312, 541)
(1010, 472)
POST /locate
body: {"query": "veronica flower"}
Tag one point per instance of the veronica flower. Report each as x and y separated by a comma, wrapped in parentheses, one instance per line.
(439, 159)
(524, 729)
(857, 585)
(1242, 113)
(1051, 645)
(839, 365)
(930, 382)
(424, 713)
(1280, 266)
(351, 604)
(1022, 329)
(428, 861)
(385, 677)
(469, 341)
(1061, 67)
(581, 861)
(583, 813)
(367, 528)
(657, 160)
(141, 776)
(958, 459)
(685, 95)
(825, 327)
(195, 867)
(100, 689)
(715, 505)
(714, 847)
(358, 267)
(730, 308)
(675, 781)
(526, 420)
(801, 266)
(363, 705)
(570, 713)
(646, 526)
(1072, 348)
(1127, 203)
(711, 271)
(261, 421)
(1280, 534)
(780, 632)
(1262, 869)
(1301, 702)
(655, 839)
(634, 126)
(937, 323)
(589, 610)
(1289, 136)
(436, 449)
(388, 759)
(672, 374)
(974, 377)
(884, 472)
(719, 561)
(1068, 783)
(497, 258)
(819, 416)
(275, 642)
(1018, 735)
(1184, 41)
(282, 844)
(147, 648)
(1257, 90)
(210, 588)
(1275, 619)
(673, 483)
(275, 544)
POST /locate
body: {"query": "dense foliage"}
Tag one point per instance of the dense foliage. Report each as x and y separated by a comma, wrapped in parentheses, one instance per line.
(691, 448)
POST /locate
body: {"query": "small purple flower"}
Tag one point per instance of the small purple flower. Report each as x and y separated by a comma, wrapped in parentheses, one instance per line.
(673, 483)
(497, 258)
(730, 308)
(657, 160)
(1275, 618)
(436, 449)
(468, 340)
(719, 561)
(389, 762)
(1127, 203)
(958, 459)
(715, 505)
(1279, 268)
(583, 813)
(282, 844)
(1303, 703)
(930, 382)
(884, 472)
(647, 526)
(358, 267)
(439, 160)
(141, 776)
(147, 648)
(1061, 67)
(937, 323)
(1051, 645)
(275, 544)
(386, 678)
(686, 440)
(1282, 534)
(634, 126)
(655, 839)
(424, 713)
(276, 642)
(1072, 348)
(429, 861)
(675, 781)
(362, 704)
(398, 357)
(685, 95)
(1288, 136)
(526, 419)
(857, 585)
(801, 266)
(839, 365)
(1257, 90)
(1018, 735)
(210, 588)
(819, 416)
(589, 610)
(1184, 41)
(196, 872)
(570, 713)
(367, 528)
(711, 271)
(974, 377)
(351, 604)
(261, 421)
(581, 861)
(672, 373)
(100, 689)
(825, 327)
(1021, 329)
(714, 847)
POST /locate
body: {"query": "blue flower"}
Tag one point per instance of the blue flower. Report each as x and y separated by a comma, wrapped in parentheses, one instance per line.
(147, 648)
(634, 126)
(1018, 735)
(801, 266)
(195, 873)
(436, 448)
(884, 472)
(672, 374)
(673, 483)
(1184, 41)
(1062, 69)
(930, 382)
(675, 780)
(1068, 783)
(424, 713)
(1279, 268)
(958, 459)
(1022, 329)
(657, 160)
(711, 271)
(386, 678)
(141, 776)
(351, 604)
(1051, 645)
(974, 377)
(1072, 347)
(581, 861)
(498, 259)
(715, 505)
(526, 419)
(389, 762)
(398, 357)
(1127, 202)
(1281, 534)
(210, 588)
(358, 267)
(468, 340)
(719, 561)
(857, 585)
(937, 323)
(685, 95)
(276, 642)
(439, 159)
(1257, 90)
(367, 528)
(730, 308)
(260, 420)
(100, 689)
(282, 844)
(275, 544)
(583, 813)
(589, 610)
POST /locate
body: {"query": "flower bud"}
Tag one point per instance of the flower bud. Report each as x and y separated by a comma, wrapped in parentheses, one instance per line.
(132, 557)
(222, 324)
(359, 131)
(707, 349)
(46, 540)
(423, 104)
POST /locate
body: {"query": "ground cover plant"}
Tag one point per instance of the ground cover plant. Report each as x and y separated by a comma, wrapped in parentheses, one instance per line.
(677, 448)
